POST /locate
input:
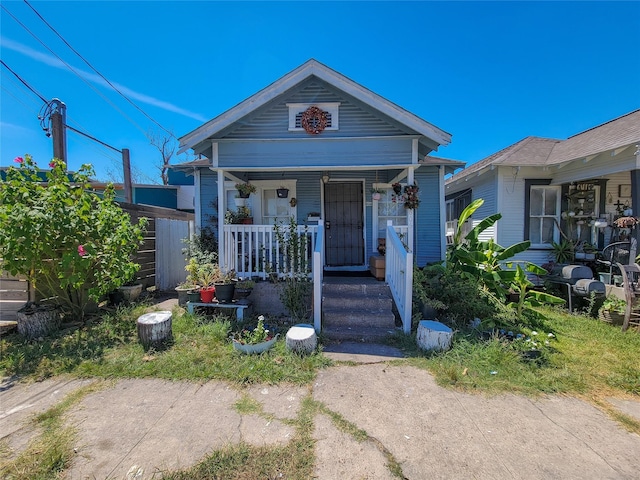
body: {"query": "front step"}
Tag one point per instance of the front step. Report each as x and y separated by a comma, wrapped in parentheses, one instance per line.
(357, 309)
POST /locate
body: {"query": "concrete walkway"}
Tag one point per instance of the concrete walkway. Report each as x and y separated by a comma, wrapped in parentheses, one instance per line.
(139, 428)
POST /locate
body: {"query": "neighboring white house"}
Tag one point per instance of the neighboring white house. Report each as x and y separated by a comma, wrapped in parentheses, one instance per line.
(540, 185)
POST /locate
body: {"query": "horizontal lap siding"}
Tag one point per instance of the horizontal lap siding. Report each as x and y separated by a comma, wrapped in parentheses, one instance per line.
(316, 152)
(427, 219)
(208, 194)
(272, 121)
(486, 190)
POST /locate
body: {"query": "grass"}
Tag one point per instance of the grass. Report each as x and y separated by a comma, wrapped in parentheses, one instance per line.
(50, 453)
(109, 349)
(590, 359)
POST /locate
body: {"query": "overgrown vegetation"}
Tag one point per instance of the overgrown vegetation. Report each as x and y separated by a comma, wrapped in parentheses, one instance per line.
(68, 241)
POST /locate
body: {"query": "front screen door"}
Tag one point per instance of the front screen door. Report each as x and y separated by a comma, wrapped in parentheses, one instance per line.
(344, 237)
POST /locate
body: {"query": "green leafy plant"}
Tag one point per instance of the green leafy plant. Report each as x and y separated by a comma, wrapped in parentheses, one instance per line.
(70, 242)
(489, 263)
(255, 336)
(296, 289)
(527, 297)
(245, 188)
(614, 304)
(563, 251)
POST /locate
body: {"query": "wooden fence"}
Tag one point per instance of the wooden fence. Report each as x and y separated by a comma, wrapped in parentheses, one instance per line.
(160, 260)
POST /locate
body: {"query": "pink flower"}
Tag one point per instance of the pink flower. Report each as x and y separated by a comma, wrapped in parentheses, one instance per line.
(18, 160)
(52, 164)
(81, 251)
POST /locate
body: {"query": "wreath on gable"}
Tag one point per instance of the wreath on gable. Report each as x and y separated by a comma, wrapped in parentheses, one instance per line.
(314, 120)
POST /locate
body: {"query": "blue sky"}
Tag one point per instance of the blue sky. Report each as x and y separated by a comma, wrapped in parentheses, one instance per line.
(489, 73)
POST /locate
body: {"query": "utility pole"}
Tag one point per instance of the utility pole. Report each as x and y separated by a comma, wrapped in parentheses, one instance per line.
(126, 167)
(58, 131)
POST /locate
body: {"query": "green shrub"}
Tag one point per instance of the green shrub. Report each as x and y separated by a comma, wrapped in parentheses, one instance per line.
(70, 242)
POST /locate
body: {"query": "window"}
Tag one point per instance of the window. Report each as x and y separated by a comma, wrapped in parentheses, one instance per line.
(389, 207)
(275, 210)
(297, 109)
(544, 215)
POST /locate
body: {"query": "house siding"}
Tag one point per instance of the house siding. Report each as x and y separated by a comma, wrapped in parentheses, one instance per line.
(355, 119)
(428, 238)
(314, 153)
(208, 195)
(486, 190)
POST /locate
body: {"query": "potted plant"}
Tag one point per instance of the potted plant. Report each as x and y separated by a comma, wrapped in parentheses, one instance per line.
(244, 288)
(282, 192)
(562, 251)
(257, 340)
(131, 289)
(243, 216)
(225, 285)
(207, 275)
(612, 310)
(376, 193)
(245, 189)
(183, 290)
(397, 188)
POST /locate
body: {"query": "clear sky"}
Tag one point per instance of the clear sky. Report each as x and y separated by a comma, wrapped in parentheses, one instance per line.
(489, 73)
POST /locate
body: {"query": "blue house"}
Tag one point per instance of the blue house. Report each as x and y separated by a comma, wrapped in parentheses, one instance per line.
(315, 144)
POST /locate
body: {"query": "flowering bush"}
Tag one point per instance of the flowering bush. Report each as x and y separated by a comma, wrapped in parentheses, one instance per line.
(255, 336)
(71, 243)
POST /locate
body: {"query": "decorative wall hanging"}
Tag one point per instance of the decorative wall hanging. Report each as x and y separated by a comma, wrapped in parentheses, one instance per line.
(314, 120)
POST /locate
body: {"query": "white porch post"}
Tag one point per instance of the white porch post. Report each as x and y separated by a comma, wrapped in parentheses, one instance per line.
(221, 210)
(411, 181)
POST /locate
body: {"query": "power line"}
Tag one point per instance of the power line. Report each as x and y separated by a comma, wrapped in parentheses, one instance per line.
(24, 82)
(73, 71)
(92, 138)
(97, 72)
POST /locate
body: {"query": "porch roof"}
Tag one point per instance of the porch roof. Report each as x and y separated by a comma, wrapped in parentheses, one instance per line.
(313, 68)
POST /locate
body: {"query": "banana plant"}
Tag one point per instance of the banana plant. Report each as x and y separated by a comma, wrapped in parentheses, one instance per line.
(527, 297)
(485, 261)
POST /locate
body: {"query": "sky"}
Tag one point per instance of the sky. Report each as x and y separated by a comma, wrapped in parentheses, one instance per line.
(489, 73)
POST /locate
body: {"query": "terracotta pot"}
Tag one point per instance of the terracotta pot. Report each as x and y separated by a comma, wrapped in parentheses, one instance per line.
(206, 294)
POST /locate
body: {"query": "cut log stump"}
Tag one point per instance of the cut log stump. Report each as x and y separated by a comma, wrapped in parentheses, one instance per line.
(302, 338)
(37, 320)
(434, 336)
(154, 329)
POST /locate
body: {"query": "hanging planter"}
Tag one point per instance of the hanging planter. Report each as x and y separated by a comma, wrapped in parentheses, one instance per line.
(411, 199)
(397, 188)
(282, 192)
(245, 189)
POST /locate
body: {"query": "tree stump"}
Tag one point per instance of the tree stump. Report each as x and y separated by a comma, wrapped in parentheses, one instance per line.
(36, 320)
(302, 338)
(434, 336)
(154, 329)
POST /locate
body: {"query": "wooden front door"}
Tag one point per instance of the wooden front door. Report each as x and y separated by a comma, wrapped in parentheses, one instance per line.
(343, 208)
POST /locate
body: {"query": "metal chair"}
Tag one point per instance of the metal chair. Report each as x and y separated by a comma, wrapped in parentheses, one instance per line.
(631, 285)
(616, 253)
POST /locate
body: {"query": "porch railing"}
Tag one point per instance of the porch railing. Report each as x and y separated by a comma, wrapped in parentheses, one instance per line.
(399, 275)
(318, 274)
(255, 250)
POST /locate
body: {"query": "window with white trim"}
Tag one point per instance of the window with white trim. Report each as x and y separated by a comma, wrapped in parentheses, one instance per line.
(297, 109)
(264, 205)
(389, 207)
(544, 215)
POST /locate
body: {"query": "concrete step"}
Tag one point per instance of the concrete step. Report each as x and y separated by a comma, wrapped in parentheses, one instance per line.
(349, 301)
(357, 334)
(368, 289)
(355, 317)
